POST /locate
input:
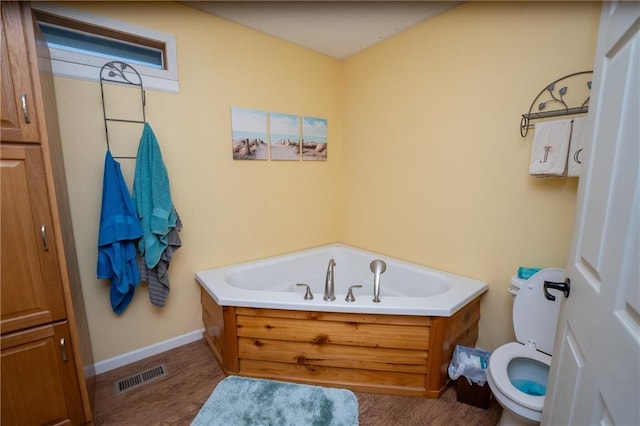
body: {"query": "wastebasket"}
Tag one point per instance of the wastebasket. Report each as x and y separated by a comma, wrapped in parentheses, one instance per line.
(468, 366)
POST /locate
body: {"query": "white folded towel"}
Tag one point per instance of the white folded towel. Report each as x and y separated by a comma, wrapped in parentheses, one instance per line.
(576, 153)
(550, 148)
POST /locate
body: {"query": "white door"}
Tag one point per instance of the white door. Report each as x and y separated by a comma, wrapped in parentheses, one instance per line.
(595, 372)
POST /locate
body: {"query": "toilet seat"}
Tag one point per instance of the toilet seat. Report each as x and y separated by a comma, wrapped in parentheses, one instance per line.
(500, 360)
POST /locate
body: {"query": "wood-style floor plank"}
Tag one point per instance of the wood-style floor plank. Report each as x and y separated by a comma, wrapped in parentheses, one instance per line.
(193, 374)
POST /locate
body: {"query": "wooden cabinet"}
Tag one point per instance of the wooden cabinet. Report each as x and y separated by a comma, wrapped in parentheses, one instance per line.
(36, 366)
(44, 335)
(31, 286)
(18, 118)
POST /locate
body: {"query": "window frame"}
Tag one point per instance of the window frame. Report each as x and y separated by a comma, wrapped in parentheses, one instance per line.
(87, 67)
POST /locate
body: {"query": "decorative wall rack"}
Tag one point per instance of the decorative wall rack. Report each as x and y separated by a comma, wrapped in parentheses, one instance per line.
(554, 95)
(120, 73)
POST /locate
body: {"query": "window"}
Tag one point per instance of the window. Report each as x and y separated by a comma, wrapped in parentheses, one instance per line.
(62, 38)
(81, 43)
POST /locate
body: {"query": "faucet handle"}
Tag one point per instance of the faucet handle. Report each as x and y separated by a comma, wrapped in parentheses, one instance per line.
(307, 295)
(350, 297)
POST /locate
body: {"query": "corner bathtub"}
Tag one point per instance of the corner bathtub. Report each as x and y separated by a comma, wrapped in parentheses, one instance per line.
(258, 324)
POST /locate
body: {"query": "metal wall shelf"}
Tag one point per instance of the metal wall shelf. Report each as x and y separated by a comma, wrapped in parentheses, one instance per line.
(554, 93)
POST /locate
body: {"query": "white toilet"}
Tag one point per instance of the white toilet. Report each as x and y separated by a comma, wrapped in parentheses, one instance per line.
(517, 373)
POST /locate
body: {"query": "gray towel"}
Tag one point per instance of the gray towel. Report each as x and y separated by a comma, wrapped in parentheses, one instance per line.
(158, 276)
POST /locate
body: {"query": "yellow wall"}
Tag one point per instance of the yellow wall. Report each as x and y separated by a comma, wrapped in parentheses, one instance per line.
(232, 211)
(425, 159)
(435, 168)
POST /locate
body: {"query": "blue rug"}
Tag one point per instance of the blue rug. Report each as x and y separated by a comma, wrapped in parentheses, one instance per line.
(257, 402)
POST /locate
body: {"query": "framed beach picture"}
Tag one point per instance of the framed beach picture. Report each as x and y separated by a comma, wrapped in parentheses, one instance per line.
(314, 138)
(249, 134)
(284, 130)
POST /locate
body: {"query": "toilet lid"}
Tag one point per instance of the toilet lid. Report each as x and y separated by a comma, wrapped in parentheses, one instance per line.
(534, 317)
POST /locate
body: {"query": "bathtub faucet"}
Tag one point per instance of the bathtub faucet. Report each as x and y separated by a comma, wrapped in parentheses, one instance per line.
(377, 267)
(329, 282)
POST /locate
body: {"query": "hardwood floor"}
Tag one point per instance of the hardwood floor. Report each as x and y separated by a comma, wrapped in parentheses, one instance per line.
(193, 374)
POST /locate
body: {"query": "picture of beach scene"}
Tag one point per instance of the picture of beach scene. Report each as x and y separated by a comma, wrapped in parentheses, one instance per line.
(284, 130)
(249, 134)
(314, 138)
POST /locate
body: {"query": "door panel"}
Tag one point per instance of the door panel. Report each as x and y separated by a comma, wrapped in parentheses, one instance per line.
(594, 377)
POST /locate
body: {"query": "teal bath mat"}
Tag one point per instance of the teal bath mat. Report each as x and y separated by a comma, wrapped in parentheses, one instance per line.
(257, 402)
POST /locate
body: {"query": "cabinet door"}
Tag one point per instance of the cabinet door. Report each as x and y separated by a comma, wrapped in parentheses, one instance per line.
(18, 121)
(31, 287)
(36, 385)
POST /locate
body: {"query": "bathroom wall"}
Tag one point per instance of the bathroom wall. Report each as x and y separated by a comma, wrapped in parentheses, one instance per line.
(232, 211)
(435, 169)
(425, 158)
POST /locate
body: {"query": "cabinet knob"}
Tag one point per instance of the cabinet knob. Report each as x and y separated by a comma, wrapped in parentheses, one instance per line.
(25, 111)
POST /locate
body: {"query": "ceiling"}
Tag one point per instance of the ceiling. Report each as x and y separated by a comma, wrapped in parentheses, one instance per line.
(335, 28)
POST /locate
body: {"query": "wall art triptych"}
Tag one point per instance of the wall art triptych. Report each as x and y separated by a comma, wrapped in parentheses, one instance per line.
(262, 135)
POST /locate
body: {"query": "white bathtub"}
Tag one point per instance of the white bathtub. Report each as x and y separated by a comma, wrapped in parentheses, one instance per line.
(405, 288)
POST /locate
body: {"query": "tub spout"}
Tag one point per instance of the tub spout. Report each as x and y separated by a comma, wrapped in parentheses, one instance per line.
(377, 267)
(329, 282)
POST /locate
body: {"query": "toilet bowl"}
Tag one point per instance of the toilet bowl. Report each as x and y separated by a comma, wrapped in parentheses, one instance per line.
(521, 385)
(518, 371)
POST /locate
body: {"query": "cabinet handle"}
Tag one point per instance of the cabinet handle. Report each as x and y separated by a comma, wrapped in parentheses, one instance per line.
(25, 111)
(43, 232)
(63, 349)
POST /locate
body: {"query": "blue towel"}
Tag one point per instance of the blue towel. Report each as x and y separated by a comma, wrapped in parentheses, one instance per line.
(152, 198)
(119, 230)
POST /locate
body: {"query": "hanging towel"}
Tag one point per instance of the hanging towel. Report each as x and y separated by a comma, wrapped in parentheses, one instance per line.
(550, 148)
(576, 152)
(152, 198)
(158, 277)
(119, 231)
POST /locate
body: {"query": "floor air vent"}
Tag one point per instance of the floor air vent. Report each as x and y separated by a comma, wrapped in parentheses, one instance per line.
(140, 379)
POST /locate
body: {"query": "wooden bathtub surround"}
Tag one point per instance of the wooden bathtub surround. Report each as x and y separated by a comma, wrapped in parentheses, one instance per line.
(388, 354)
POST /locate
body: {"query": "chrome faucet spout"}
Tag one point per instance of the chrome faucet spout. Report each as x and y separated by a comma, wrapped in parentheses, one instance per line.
(377, 267)
(329, 282)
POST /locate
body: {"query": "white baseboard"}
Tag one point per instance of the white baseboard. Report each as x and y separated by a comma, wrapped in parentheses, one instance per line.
(142, 353)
